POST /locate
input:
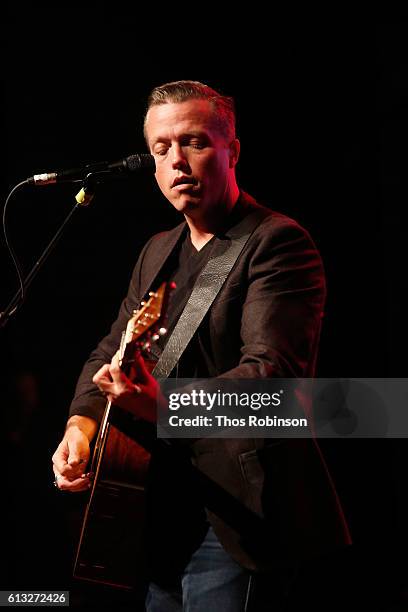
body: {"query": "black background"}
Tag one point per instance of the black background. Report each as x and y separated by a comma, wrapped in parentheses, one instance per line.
(322, 107)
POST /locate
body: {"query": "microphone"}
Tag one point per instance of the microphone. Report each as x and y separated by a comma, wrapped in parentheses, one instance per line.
(124, 166)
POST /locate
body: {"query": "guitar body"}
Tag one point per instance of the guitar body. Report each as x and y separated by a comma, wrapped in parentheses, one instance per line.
(111, 548)
(111, 543)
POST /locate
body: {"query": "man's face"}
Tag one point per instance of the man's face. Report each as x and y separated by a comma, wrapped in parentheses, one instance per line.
(194, 161)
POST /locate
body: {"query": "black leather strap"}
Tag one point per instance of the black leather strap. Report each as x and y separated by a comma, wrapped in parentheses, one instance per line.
(205, 290)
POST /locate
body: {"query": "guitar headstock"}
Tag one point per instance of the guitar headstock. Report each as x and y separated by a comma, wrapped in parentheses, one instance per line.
(146, 324)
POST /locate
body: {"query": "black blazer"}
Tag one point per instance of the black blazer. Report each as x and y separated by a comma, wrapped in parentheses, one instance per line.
(265, 322)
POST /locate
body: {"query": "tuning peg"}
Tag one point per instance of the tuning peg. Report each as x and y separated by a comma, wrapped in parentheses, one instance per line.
(162, 331)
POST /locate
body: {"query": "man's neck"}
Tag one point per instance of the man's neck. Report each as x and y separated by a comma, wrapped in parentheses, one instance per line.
(203, 229)
(199, 238)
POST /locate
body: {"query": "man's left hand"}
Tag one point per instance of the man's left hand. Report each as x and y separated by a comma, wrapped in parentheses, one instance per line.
(142, 397)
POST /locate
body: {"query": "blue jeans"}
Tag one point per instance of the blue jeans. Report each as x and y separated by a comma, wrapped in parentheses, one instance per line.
(211, 582)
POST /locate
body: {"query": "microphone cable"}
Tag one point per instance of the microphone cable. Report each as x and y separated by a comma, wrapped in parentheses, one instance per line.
(11, 251)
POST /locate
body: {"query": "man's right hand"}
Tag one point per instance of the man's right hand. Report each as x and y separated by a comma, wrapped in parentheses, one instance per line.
(72, 455)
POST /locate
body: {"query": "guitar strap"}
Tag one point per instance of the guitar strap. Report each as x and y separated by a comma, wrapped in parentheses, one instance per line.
(206, 289)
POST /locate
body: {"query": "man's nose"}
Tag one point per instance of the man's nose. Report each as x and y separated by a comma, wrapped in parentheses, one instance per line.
(179, 159)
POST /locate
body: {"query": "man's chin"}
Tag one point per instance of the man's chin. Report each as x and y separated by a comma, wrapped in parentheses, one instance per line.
(186, 204)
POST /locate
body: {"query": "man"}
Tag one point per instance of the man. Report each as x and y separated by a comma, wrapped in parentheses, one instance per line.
(264, 323)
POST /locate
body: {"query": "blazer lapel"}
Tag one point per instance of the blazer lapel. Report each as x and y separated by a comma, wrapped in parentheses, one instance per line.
(160, 256)
(247, 213)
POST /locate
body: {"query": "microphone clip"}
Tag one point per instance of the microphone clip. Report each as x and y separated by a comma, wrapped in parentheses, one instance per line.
(89, 186)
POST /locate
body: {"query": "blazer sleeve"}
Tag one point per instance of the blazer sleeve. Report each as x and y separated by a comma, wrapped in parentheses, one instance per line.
(88, 400)
(283, 306)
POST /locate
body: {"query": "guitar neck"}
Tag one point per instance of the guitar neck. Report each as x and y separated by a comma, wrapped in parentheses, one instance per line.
(104, 426)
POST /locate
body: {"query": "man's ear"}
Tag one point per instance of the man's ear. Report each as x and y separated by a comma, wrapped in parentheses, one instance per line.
(234, 149)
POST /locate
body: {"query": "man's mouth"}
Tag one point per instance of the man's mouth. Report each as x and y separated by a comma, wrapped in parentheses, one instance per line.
(181, 181)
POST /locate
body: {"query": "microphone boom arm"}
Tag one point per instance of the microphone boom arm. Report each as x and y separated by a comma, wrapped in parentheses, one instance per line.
(17, 302)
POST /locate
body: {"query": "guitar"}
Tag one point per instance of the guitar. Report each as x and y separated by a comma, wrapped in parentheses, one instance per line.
(110, 549)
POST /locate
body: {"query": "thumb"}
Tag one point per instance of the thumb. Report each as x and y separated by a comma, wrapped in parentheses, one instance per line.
(75, 458)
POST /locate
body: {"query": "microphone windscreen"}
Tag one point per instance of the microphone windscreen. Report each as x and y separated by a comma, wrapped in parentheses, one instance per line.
(139, 162)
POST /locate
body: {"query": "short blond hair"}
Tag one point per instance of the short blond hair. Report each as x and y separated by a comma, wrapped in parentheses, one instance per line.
(181, 91)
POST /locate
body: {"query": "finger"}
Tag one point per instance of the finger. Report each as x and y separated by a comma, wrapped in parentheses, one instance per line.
(103, 379)
(115, 371)
(72, 480)
(73, 486)
(60, 456)
(78, 454)
(76, 459)
(102, 375)
(121, 396)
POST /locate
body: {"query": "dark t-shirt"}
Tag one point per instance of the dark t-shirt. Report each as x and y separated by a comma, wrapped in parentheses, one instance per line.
(183, 268)
(176, 529)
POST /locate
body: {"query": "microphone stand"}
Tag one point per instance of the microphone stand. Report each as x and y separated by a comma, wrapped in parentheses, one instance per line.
(83, 198)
